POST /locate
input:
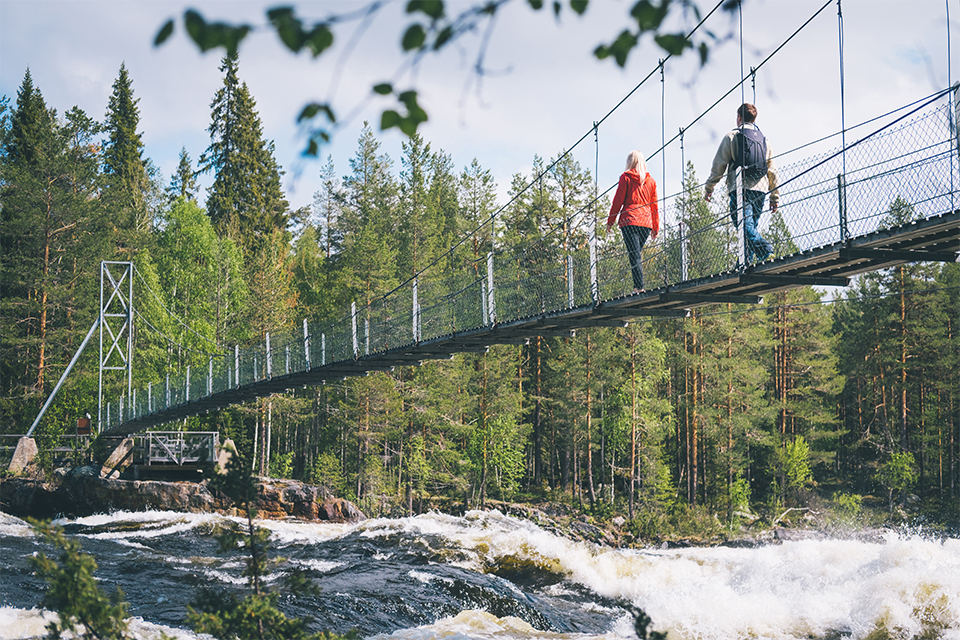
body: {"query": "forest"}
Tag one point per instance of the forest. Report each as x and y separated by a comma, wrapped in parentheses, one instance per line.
(810, 396)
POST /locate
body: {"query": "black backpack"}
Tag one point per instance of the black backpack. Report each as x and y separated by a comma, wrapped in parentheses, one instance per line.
(750, 152)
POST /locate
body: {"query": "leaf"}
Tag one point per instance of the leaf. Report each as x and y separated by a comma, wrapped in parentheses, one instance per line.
(279, 13)
(196, 27)
(384, 88)
(649, 16)
(556, 8)
(431, 8)
(443, 37)
(704, 53)
(579, 6)
(536, 5)
(210, 36)
(320, 39)
(619, 49)
(164, 34)
(292, 35)
(407, 124)
(414, 37)
(389, 119)
(673, 43)
(311, 110)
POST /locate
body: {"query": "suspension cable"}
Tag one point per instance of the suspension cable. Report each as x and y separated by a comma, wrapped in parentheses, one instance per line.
(951, 117)
(843, 121)
(463, 239)
(663, 111)
(170, 313)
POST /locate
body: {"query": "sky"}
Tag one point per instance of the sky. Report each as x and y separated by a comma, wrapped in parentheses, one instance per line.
(541, 93)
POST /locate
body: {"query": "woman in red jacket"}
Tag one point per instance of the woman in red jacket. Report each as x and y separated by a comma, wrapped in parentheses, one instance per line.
(636, 204)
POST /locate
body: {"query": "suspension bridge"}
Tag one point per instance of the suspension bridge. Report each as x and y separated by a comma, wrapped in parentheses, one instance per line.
(887, 198)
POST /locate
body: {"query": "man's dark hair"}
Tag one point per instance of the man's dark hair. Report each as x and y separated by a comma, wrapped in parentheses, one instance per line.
(747, 112)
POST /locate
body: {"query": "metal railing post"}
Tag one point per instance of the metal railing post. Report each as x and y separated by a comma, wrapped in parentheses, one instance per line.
(594, 278)
(186, 396)
(683, 254)
(269, 359)
(491, 294)
(306, 345)
(741, 216)
(236, 364)
(842, 203)
(353, 326)
(210, 376)
(485, 314)
(323, 349)
(570, 300)
(416, 310)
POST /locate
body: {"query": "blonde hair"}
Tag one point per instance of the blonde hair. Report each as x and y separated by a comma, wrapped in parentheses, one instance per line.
(635, 159)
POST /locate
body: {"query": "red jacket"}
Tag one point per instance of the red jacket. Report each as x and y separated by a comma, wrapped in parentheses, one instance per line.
(636, 202)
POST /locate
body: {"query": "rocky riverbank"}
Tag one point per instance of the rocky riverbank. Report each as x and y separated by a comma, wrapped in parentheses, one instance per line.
(85, 491)
(82, 492)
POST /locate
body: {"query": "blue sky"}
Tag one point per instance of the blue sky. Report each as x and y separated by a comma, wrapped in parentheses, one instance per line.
(544, 91)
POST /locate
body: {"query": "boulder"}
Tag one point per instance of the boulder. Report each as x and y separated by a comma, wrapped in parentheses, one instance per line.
(24, 454)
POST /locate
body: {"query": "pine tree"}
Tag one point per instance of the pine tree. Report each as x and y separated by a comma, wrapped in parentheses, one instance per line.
(477, 198)
(183, 182)
(419, 226)
(50, 242)
(368, 223)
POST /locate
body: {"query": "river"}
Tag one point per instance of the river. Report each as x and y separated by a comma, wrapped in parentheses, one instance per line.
(486, 575)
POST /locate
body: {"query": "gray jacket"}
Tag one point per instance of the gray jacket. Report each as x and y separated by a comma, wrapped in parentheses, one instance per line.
(725, 157)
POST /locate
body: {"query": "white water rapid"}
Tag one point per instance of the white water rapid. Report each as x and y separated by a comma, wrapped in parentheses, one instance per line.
(907, 586)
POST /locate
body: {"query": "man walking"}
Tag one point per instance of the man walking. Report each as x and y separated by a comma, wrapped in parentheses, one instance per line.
(747, 147)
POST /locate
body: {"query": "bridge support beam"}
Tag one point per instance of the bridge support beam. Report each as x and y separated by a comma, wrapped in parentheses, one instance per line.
(793, 281)
(887, 255)
(701, 298)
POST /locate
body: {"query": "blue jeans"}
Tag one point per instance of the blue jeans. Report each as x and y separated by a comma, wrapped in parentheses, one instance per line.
(757, 247)
(634, 238)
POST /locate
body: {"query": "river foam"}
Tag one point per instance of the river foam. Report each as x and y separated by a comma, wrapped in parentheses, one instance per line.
(902, 586)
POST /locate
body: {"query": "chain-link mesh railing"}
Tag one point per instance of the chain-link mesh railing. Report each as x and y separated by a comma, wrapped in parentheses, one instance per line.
(902, 173)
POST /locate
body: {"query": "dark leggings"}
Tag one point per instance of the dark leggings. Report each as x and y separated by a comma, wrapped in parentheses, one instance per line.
(634, 238)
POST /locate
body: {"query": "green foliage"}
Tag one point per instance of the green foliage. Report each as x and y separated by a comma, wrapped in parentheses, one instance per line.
(680, 521)
(847, 509)
(328, 472)
(281, 465)
(496, 447)
(794, 461)
(255, 616)
(897, 474)
(740, 494)
(84, 611)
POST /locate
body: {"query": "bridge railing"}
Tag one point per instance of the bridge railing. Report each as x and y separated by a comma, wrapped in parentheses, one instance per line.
(178, 447)
(900, 173)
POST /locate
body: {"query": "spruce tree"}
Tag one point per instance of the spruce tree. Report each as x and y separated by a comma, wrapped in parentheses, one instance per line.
(183, 182)
(129, 188)
(246, 201)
